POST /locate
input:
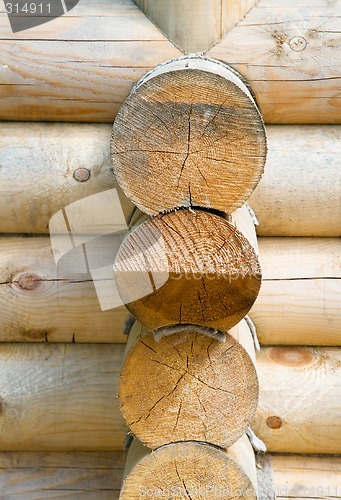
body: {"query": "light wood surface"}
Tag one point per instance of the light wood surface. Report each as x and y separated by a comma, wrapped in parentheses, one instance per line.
(57, 397)
(111, 45)
(81, 66)
(194, 470)
(39, 475)
(40, 304)
(299, 300)
(300, 297)
(97, 475)
(306, 477)
(36, 178)
(189, 135)
(299, 403)
(289, 53)
(187, 386)
(187, 267)
(299, 193)
(40, 165)
(213, 18)
(60, 397)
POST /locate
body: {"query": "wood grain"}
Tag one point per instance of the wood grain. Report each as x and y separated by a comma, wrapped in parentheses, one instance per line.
(82, 66)
(60, 397)
(193, 470)
(300, 298)
(299, 403)
(187, 386)
(187, 267)
(299, 192)
(79, 67)
(87, 475)
(38, 161)
(97, 475)
(189, 135)
(213, 18)
(295, 81)
(40, 305)
(306, 477)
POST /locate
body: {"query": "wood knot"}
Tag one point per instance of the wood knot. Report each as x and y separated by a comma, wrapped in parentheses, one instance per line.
(292, 356)
(81, 174)
(28, 281)
(274, 422)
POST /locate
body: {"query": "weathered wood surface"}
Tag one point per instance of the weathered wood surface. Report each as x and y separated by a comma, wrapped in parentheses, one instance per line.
(111, 44)
(300, 399)
(300, 297)
(60, 398)
(187, 386)
(299, 192)
(79, 67)
(299, 300)
(306, 477)
(57, 397)
(40, 305)
(193, 470)
(290, 55)
(187, 267)
(97, 475)
(189, 134)
(40, 165)
(213, 18)
(87, 475)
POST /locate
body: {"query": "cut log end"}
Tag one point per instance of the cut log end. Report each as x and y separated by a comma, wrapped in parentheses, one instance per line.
(189, 137)
(187, 386)
(187, 470)
(187, 268)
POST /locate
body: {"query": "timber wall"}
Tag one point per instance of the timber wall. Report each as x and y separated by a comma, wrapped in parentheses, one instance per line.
(61, 432)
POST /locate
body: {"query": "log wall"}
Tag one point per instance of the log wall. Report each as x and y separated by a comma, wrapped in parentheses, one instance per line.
(289, 54)
(98, 475)
(301, 172)
(62, 397)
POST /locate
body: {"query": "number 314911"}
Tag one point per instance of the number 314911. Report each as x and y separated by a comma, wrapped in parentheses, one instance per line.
(28, 8)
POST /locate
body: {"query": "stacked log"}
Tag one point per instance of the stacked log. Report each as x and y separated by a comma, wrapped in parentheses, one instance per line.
(58, 401)
(188, 275)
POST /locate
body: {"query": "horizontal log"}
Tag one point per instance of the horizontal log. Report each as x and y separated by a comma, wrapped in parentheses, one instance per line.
(110, 46)
(299, 402)
(193, 470)
(306, 477)
(60, 397)
(299, 193)
(57, 397)
(39, 162)
(40, 305)
(298, 301)
(98, 475)
(289, 55)
(300, 296)
(87, 475)
(45, 167)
